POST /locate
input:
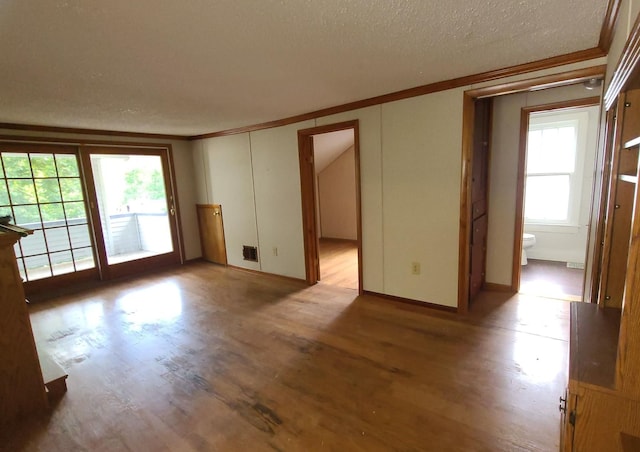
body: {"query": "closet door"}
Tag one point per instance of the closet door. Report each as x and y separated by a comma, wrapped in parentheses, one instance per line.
(212, 233)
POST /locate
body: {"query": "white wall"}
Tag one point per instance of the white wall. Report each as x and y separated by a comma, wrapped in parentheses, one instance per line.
(227, 165)
(337, 198)
(421, 165)
(503, 181)
(410, 167)
(276, 172)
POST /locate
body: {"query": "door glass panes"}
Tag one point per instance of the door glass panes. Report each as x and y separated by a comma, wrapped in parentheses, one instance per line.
(42, 191)
(132, 202)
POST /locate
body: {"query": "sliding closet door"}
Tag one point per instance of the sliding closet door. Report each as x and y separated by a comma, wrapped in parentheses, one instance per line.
(132, 207)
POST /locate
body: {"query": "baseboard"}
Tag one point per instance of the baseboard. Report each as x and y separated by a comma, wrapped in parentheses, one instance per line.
(423, 304)
(273, 275)
(493, 287)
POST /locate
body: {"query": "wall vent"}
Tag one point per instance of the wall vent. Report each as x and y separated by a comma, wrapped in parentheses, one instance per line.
(250, 253)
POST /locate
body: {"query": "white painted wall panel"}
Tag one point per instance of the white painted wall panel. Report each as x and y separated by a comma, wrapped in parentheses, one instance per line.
(276, 175)
(421, 155)
(228, 163)
(371, 192)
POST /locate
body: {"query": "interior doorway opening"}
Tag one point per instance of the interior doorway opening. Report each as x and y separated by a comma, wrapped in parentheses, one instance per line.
(558, 152)
(329, 172)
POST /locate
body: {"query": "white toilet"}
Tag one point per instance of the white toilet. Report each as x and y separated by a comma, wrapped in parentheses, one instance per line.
(528, 240)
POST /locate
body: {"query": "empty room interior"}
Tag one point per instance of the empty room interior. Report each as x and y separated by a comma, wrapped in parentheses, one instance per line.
(300, 226)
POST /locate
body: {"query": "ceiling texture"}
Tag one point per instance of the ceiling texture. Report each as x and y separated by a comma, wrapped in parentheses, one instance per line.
(191, 67)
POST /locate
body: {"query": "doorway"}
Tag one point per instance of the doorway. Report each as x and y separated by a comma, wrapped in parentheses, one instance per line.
(330, 182)
(556, 163)
(132, 208)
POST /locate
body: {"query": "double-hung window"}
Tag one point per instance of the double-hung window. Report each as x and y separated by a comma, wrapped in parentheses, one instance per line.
(555, 157)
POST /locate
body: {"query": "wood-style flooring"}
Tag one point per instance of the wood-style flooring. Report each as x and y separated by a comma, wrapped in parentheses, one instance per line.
(208, 358)
(551, 280)
(339, 263)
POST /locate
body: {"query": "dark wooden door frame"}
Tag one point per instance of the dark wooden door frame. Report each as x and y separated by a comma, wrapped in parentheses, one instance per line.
(308, 195)
(468, 113)
(525, 115)
(110, 271)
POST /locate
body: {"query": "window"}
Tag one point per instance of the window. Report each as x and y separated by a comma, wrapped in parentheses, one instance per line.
(555, 155)
(43, 191)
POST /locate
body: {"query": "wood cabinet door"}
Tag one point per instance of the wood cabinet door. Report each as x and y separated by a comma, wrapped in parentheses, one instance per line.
(212, 233)
(478, 253)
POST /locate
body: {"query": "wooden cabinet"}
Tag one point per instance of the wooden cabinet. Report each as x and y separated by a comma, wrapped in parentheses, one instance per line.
(22, 389)
(603, 401)
(620, 200)
(479, 193)
(212, 233)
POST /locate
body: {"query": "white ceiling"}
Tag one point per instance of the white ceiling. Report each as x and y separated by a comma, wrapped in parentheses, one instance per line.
(329, 146)
(195, 66)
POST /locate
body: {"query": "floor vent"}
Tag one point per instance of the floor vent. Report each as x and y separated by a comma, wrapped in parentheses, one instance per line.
(575, 265)
(250, 253)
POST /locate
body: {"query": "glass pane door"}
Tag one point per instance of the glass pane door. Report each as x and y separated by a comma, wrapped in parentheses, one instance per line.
(42, 190)
(135, 214)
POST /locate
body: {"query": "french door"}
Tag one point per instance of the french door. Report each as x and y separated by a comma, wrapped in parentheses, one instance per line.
(132, 208)
(96, 212)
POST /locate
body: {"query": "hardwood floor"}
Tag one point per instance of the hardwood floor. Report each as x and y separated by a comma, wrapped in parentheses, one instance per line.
(204, 357)
(339, 263)
(551, 280)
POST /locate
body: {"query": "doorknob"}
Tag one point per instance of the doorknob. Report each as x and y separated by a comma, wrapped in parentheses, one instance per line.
(216, 213)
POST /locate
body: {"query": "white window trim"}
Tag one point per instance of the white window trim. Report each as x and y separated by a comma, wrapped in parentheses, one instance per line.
(542, 120)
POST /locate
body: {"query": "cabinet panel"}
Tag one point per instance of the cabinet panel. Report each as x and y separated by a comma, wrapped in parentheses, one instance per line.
(478, 253)
(212, 233)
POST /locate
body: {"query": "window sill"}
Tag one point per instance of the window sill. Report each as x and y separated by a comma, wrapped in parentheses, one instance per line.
(552, 228)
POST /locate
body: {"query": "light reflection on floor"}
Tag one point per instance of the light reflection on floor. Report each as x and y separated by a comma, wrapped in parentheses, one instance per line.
(160, 303)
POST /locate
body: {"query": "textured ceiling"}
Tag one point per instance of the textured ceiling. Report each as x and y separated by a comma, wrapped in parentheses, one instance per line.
(196, 66)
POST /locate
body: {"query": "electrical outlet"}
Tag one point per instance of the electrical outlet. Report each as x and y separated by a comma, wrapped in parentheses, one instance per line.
(275, 250)
(415, 268)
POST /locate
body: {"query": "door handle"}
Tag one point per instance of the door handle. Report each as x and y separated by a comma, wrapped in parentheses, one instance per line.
(216, 213)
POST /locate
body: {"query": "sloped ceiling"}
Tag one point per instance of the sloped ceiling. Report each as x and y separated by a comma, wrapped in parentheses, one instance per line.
(329, 146)
(195, 66)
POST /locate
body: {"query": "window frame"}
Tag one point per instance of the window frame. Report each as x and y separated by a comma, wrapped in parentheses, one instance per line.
(554, 119)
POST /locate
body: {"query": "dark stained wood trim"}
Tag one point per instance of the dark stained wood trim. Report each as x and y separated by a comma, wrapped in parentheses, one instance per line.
(464, 238)
(591, 290)
(305, 152)
(609, 25)
(53, 129)
(610, 196)
(257, 272)
(81, 142)
(37, 289)
(565, 78)
(628, 66)
(518, 227)
(423, 304)
(522, 154)
(493, 287)
(538, 83)
(560, 60)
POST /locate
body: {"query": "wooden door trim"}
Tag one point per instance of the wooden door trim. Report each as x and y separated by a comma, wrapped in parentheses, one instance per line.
(628, 67)
(607, 157)
(518, 229)
(308, 195)
(610, 195)
(468, 113)
(112, 271)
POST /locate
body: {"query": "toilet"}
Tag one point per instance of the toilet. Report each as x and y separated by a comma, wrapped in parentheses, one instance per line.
(528, 240)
